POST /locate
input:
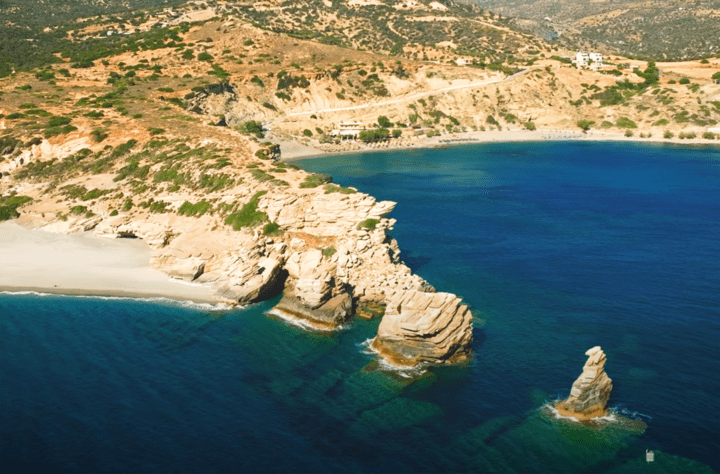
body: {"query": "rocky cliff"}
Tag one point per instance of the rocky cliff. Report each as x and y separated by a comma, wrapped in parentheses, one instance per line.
(333, 256)
(591, 391)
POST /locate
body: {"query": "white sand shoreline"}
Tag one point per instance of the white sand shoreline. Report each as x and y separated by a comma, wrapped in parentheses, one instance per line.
(83, 264)
(291, 150)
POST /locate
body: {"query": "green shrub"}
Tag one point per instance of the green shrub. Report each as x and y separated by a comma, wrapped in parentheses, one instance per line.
(94, 194)
(529, 125)
(708, 136)
(78, 210)
(252, 127)
(684, 80)
(668, 134)
(271, 228)
(261, 175)
(58, 121)
(307, 133)
(98, 135)
(624, 122)
(384, 122)
(606, 124)
(156, 131)
(9, 206)
(314, 180)
(628, 133)
(585, 124)
(660, 123)
(205, 57)
(334, 188)
(194, 210)
(329, 251)
(248, 216)
(114, 213)
(369, 224)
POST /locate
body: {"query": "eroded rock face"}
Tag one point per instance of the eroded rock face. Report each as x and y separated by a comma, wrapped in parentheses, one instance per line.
(330, 315)
(420, 327)
(591, 391)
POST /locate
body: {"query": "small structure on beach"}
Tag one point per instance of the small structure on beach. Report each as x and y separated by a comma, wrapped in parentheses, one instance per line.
(348, 130)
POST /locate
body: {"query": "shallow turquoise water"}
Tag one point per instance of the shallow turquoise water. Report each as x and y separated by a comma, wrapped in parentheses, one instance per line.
(556, 247)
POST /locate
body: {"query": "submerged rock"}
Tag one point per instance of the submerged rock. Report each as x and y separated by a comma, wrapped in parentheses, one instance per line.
(591, 391)
(420, 327)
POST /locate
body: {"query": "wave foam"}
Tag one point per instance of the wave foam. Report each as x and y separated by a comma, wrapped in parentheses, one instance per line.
(150, 299)
(401, 370)
(303, 323)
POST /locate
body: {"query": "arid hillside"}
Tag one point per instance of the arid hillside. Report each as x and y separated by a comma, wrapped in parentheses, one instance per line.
(659, 30)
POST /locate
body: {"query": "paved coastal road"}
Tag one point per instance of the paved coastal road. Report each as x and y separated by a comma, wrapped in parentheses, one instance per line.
(402, 99)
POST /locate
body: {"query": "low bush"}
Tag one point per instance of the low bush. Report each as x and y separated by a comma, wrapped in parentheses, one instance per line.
(9, 206)
(315, 180)
(194, 210)
(248, 215)
(271, 228)
(369, 224)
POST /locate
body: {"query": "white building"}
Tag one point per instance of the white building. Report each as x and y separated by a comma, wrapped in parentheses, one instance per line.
(597, 60)
(592, 61)
(461, 61)
(348, 130)
(581, 60)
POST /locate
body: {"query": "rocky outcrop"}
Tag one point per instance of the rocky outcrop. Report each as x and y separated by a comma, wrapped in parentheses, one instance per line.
(334, 254)
(329, 315)
(591, 391)
(420, 327)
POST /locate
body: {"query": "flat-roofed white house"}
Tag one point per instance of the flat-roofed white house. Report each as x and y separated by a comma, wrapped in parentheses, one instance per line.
(592, 61)
(348, 130)
(597, 60)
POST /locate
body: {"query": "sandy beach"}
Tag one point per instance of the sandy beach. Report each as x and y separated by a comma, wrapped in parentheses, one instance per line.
(292, 150)
(35, 260)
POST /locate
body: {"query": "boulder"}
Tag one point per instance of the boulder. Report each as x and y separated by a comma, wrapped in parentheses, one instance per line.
(331, 314)
(591, 391)
(254, 281)
(421, 327)
(188, 269)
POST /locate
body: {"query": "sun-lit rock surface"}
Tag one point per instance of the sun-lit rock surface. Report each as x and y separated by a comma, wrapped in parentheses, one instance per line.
(420, 327)
(591, 391)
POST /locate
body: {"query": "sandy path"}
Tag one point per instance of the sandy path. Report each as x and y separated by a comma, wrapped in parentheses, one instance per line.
(85, 264)
(401, 99)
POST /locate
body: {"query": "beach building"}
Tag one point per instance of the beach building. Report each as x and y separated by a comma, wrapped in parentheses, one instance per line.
(348, 130)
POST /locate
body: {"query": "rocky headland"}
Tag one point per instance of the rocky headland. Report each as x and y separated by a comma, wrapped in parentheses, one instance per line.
(324, 247)
(590, 392)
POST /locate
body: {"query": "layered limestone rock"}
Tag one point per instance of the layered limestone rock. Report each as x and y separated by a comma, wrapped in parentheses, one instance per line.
(334, 254)
(591, 391)
(420, 327)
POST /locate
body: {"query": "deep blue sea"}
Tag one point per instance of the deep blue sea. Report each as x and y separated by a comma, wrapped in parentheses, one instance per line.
(557, 247)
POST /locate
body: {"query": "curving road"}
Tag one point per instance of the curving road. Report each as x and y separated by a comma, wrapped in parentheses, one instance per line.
(402, 99)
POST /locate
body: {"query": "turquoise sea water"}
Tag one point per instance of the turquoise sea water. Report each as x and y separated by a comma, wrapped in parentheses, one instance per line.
(557, 247)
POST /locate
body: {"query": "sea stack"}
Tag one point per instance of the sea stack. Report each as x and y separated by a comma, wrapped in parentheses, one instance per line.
(420, 327)
(591, 391)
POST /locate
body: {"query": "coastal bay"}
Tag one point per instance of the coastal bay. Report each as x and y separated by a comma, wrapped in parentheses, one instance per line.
(555, 247)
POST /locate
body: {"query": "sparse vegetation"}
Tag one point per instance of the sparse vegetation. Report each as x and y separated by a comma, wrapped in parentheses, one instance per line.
(10, 204)
(314, 180)
(248, 215)
(368, 224)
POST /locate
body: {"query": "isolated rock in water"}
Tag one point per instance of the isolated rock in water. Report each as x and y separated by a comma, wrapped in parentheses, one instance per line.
(591, 391)
(424, 327)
